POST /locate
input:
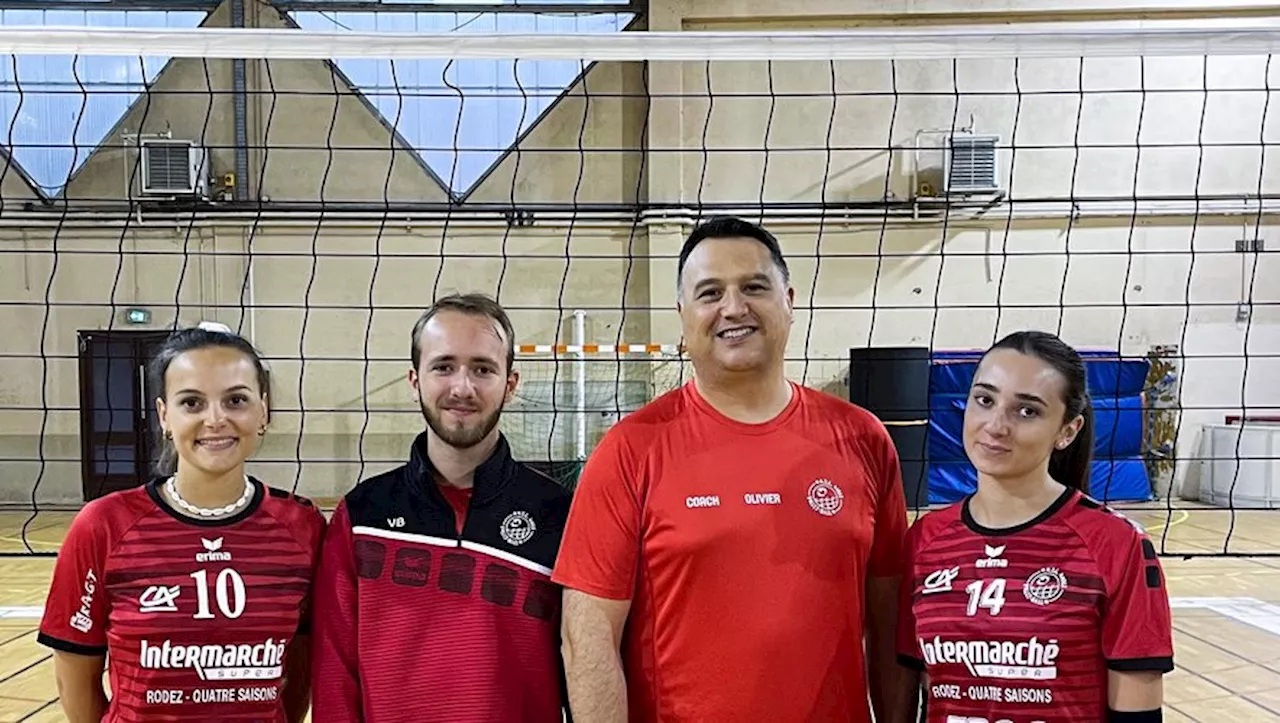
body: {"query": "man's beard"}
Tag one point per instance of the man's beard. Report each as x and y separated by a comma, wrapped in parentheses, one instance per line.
(461, 437)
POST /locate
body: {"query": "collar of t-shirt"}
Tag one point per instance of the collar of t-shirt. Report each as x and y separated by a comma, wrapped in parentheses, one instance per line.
(459, 498)
(490, 477)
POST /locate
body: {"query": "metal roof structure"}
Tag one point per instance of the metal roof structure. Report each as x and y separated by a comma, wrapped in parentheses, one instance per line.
(461, 117)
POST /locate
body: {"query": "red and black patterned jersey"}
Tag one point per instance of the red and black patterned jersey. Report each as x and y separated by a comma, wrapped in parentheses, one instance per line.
(196, 616)
(1023, 623)
(418, 621)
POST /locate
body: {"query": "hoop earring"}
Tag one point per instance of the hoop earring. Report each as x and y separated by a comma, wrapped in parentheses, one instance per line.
(262, 430)
(168, 434)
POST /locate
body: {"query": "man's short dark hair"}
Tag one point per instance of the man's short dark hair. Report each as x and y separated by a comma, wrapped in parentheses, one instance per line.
(473, 304)
(731, 227)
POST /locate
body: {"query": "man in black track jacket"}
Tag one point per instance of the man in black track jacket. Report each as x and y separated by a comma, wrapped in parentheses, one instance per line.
(433, 599)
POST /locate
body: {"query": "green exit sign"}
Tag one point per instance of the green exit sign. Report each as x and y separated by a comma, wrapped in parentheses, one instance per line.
(137, 316)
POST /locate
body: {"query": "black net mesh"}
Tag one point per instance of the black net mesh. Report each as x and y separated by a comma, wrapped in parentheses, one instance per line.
(927, 207)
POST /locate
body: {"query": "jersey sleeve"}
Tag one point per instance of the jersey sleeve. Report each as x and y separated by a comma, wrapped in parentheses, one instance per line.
(1137, 626)
(335, 648)
(75, 611)
(600, 547)
(908, 647)
(888, 548)
(314, 540)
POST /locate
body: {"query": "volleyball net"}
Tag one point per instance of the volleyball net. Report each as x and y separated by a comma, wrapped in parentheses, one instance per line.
(316, 186)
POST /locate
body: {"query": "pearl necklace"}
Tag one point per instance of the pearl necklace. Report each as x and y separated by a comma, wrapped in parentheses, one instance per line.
(215, 512)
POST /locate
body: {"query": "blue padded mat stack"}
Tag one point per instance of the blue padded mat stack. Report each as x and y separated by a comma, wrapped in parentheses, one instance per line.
(1116, 385)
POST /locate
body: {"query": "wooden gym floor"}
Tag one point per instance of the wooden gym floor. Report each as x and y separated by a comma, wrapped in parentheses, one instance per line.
(1226, 614)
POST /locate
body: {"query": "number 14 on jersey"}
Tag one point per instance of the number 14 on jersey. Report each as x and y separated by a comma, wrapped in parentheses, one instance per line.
(987, 595)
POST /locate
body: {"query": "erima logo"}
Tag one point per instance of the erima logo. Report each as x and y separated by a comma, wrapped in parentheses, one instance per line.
(1030, 660)
(213, 551)
(263, 661)
(992, 559)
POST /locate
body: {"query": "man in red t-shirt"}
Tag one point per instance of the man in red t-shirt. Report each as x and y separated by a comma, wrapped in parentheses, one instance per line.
(731, 544)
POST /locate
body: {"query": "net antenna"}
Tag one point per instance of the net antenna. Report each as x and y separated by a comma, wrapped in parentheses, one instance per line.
(934, 188)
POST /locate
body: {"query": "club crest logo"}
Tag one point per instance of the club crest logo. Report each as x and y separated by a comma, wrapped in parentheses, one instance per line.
(518, 528)
(1045, 586)
(825, 498)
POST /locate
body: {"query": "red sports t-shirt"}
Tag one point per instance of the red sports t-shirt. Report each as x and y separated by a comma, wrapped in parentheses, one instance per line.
(745, 550)
(197, 616)
(1022, 624)
(459, 498)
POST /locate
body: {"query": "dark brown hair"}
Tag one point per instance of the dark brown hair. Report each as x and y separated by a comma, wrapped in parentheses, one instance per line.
(1069, 466)
(191, 339)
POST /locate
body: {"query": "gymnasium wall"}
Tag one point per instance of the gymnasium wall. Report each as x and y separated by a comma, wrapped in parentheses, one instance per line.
(1126, 282)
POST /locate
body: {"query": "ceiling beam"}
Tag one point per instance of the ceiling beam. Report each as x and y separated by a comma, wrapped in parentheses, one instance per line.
(108, 4)
(449, 6)
(453, 6)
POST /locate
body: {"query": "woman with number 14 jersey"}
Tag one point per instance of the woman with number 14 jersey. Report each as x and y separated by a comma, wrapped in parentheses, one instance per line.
(1029, 601)
(198, 584)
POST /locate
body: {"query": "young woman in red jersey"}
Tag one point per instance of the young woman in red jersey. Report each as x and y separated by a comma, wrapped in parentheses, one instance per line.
(196, 585)
(1028, 600)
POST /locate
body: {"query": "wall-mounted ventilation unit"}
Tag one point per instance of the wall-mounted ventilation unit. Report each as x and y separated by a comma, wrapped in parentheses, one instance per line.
(970, 165)
(173, 168)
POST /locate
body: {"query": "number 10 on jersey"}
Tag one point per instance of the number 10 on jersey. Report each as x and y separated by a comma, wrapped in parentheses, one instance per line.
(986, 594)
(228, 590)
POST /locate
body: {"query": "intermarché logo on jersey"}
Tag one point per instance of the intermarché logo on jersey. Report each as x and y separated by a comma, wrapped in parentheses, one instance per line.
(264, 661)
(1026, 660)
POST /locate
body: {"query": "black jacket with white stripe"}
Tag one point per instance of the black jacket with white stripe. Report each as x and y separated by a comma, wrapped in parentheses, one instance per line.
(414, 619)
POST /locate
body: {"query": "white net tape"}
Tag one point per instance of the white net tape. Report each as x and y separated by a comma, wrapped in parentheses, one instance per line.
(1043, 40)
